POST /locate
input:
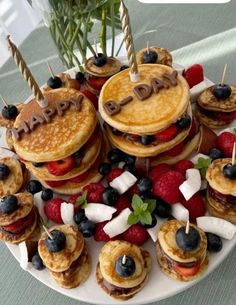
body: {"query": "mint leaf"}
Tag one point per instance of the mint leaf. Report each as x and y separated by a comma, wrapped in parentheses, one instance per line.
(144, 206)
(146, 218)
(202, 164)
(142, 210)
(81, 200)
(235, 130)
(133, 219)
(136, 202)
(151, 204)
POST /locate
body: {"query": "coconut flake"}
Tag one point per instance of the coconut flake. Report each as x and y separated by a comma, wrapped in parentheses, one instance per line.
(24, 260)
(179, 212)
(98, 212)
(123, 182)
(197, 156)
(192, 185)
(67, 213)
(39, 203)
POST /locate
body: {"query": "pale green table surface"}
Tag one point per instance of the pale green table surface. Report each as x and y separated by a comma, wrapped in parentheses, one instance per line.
(204, 34)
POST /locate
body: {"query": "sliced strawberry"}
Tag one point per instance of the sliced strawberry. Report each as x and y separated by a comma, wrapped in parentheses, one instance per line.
(96, 82)
(21, 224)
(193, 129)
(92, 97)
(194, 75)
(56, 183)
(61, 167)
(176, 150)
(167, 134)
(185, 271)
(79, 179)
(225, 116)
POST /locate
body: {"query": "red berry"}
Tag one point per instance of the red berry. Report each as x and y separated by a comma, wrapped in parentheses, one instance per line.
(79, 179)
(176, 150)
(122, 203)
(96, 82)
(225, 116)
(56, 183)
(114, 173)
(196, 207)
(52, 209)
(183, 165)
(20, 224)
(134, 190)
(94, 192)
(136, 234)
(225, 142)
(92, 97)
(74, 197)
(193, 129)
(194, 75)
(167, 187)
(167, 134)
(61, 167)
(100, 235)
(158, 170)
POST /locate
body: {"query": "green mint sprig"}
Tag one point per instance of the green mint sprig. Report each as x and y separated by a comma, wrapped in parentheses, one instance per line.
(202, 165)
(142, 210)
(82, 200)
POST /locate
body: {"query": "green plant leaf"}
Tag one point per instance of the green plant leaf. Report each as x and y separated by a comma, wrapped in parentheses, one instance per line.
(144, 206)
(136, 202)
(81, 200)
(133, 219)
(146, 218)
(151, 204)
(202, 164)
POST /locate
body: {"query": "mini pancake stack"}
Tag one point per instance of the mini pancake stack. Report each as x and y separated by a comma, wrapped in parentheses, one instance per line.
(221, 191)
(175, 262)
(154, 55)
(215, 111)
(22, 222)
(122, 287)
(70, 266)
(60, 144)
(150, 117)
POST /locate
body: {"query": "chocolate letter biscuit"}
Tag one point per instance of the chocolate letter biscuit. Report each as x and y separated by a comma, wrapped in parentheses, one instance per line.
(48, 113)
(77, 102)
(62, 106)
(126, 100)
(142, 91)
(22, 128)
(172, 78)
(35, 120)
(158, 84)
(112, 108)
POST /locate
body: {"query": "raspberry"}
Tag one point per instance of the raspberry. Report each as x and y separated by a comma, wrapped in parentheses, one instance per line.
(225, 142)
(183, 165)
(122, 203)
(196, 207)
(194, 75)
(136, 234)
(114, 173)
(74, 197)
(94, 192)
(167, 187)
(158, 170)
(100, 235)
(52, 209)
(176, 150)
(167, 134)
(134, 190)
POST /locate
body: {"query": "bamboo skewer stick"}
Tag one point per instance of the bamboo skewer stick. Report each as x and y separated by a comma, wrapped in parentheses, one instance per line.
(223, 75)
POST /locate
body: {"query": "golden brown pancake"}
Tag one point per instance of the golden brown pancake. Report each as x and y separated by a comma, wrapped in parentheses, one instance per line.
(112, 67)
(63, 135)
(148, 116)
(9, 123)
(209, 121)
(164, 56)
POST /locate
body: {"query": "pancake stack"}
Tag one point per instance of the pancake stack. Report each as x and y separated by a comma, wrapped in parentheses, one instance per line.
(221, 191)
(70, 266)
(176, 263)
(150, 117)
(22, 222)
(60, 144)
(154, 55)
(118, 286)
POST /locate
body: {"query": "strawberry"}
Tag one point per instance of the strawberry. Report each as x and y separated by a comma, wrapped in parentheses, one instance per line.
(56, 183)
(52, 210)
(195, 206)
(61, 167)
(122, 203)
(183, 165)
(176, 150)
(225, 143)
(114, 173)
(96, 82)
(187, 271)
(79, 179)
(193, 129)
(167, 187)
(158, 170)
(167, 134)
(21, 224)
(225, 116)
(92, 97)
(194, 75)
(136, 234)
(94, 192)
(100, 235)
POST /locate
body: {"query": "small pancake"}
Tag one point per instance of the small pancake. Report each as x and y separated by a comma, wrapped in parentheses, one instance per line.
(169, 271)
(209, 121)
(126, 293)
(77, 273)
(63, 136)
(112, 67)
(208, 101)
(164, 56)
(67, 82)
(148, 116)
(9, 139)
(62, 260)
(189, 148)
(9, 123)
(166, 238)
(217, 180)
(219, 209)
(13, 182)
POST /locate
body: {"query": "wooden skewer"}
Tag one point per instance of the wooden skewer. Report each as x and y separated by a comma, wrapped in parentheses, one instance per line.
(187, 228)
(123, 259)
(96, 48)
(48, 233)
(233, 154)
(4, 101)
(50, 69)
(148, 50)
(223, 75)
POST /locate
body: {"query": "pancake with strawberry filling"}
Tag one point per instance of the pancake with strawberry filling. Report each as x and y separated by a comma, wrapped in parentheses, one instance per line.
(154, 55)
(221, 191)
(183, 265)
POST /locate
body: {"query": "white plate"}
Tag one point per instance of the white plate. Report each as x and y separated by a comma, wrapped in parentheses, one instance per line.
(158, 287)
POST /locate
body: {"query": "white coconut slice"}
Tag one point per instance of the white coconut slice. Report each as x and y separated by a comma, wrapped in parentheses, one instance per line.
(39, 203)
(67, 213)
(24, 260)
(123, 182)
(192, 185)
(197, 156)
(98, 212)
(179, 212)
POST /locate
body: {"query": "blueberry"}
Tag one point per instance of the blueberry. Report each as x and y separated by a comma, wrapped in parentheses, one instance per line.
(125, 266)
(214, 242)
(116, 132)
(4, 171)
(37, 262)
(9, 112)
(229, 171)
(99, 60)
(129, 160)
(146, 140)
(79, 216)
(110, 196)
(87, 228)
(47, 194)
(79, 76)
(222, 92)
(78, 154)
(54, 82)
(184, 122)
(57, 243)
(37, 164)
(150, 57)
(188, 242)
(144, 185)
(8, 204)
(163, 209)
(216, 153)
(34, 186)
(146, 226)
(104, 168)
(129, 168)
(115, 155)
(124, 67)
